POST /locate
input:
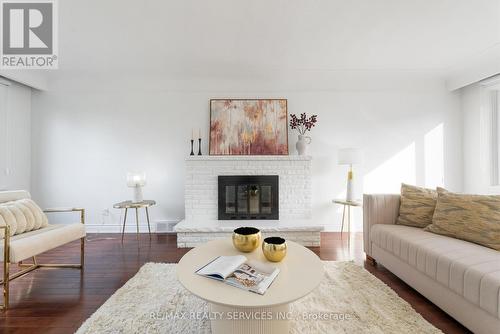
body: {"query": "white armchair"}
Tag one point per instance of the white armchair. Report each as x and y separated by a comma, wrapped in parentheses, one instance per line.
(28, 245)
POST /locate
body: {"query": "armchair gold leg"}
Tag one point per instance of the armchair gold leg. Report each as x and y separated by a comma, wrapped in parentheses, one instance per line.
(5, 286)
(6, 263)
(20, 264)
(82, 252)
(22, 272)
(60, 265)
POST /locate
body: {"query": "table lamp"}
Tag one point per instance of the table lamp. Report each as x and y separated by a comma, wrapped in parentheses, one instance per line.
(136, 181)
(350, 156)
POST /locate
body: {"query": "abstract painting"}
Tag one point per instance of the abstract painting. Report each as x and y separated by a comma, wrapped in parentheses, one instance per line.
(248, 127)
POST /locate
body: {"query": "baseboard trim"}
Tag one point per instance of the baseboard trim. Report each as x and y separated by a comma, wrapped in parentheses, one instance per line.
(157, 226)
(115, 228)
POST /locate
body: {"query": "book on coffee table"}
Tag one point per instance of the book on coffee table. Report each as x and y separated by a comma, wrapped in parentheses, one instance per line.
(238, 271)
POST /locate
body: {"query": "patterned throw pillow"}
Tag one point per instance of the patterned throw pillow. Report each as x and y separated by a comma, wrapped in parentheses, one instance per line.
(417, 206)
(474, 218)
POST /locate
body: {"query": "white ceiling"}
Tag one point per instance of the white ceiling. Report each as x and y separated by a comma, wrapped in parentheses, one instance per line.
(200, 36)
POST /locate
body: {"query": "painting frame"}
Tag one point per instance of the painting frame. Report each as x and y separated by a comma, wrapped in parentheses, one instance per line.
(212, 149)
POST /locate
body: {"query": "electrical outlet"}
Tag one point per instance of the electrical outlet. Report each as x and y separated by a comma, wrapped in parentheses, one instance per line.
(105, 216)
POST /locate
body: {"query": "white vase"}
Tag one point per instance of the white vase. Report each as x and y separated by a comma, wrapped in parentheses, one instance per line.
(302, 144)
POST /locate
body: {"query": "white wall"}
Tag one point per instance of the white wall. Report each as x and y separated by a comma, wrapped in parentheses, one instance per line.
(15, 136)
(88, 133)
(475, 150)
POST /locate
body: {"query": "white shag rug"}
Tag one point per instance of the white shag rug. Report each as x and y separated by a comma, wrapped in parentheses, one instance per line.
(349, 300)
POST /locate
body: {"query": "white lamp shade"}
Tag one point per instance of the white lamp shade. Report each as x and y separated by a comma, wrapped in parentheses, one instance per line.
(136, 179)
(350, 156)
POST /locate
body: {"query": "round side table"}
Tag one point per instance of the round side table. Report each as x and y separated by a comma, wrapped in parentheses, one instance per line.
(131, 205)
(301, 271)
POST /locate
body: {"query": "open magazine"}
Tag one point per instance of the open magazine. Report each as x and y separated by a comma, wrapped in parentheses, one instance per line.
(253, 276)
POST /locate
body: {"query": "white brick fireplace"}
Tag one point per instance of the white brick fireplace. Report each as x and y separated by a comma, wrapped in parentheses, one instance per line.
(201, 198)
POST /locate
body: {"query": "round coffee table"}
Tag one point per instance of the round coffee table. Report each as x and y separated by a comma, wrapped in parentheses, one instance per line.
(235, 310)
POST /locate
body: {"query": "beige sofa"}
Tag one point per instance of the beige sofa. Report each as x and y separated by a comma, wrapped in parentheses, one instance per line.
(460, 277)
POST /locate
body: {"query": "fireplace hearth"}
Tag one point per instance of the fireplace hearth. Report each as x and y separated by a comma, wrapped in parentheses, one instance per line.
(244, 197)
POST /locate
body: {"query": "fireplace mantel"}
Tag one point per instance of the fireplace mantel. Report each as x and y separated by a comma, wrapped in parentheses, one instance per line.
(249, 158)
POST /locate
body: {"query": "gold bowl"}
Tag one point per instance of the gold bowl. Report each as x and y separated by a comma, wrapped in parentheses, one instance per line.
(274, 248)
(246, 239)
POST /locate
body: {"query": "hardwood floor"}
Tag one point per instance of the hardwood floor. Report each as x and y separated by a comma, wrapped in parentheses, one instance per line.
(59, 300)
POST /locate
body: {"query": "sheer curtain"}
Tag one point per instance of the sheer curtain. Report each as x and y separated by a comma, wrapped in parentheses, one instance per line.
(491, 108)
(3, 136)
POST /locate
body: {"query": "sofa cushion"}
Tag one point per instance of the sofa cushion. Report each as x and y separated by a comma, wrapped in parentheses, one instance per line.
(28, 215)
(22, 216)
(40, 218)
(417, 206)
(7, 218)
(474, 218)
(29, 244)
(19, 216)
(468, 269)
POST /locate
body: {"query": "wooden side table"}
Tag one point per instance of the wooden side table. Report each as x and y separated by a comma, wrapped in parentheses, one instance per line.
(131, 205)
(347, 204)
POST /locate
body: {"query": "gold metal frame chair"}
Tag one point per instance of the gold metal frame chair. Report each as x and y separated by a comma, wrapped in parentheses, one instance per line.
(35, 265)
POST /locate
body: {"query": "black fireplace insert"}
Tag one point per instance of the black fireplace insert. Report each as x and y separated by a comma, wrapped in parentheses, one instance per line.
(248, 197)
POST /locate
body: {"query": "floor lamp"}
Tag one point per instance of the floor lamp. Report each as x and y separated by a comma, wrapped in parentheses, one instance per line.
(350, 156)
